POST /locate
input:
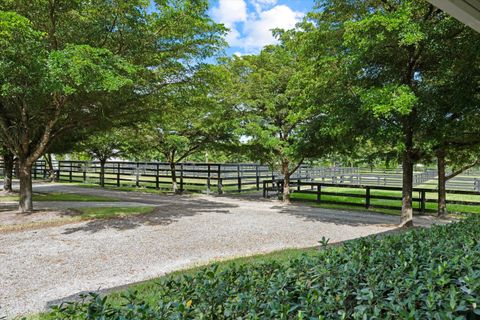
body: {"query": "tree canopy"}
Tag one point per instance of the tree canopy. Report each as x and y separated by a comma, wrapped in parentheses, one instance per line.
(71, 64)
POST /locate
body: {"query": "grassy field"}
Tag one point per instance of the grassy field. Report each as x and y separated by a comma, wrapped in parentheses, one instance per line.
(148, 182)
(193, 189)
(386, 202)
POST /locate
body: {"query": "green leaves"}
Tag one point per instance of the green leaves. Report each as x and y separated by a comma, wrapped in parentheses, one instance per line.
(22, 55)
(420, 274)
(87, 69)
(399, 99)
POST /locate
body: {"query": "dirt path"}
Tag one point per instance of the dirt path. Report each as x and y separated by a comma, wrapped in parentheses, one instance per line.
(41, 266)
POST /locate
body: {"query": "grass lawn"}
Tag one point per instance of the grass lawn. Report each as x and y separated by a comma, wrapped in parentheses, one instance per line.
(60, 196)
(121, 188)
(454, 208)
(165, 190)
(111, 212)
(80, 214)
(149, 182)
(147, 289)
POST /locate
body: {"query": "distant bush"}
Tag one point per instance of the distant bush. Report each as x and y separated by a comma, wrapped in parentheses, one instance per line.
(420, 274)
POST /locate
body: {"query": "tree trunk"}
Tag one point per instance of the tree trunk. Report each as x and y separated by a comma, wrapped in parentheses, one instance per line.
(406, 218)
(173, 169)
(102, 172)
(50, 171)
(25, 175)
(286, 182)
(442, 181)
(8, 171)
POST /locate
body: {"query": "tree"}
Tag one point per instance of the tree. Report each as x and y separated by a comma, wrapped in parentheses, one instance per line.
(193, 119)
(28, 70)
(459, 162)
(390, 47)
(103, 146)
(271, 108)
(73, 64)
(451, 132)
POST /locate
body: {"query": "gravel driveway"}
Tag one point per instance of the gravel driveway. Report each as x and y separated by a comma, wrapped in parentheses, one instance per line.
(44, 265)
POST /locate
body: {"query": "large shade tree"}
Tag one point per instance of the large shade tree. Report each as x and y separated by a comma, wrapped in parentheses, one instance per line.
(273, 109)
(193, 117)
(391, 48)
(451, 132)
(70, 64)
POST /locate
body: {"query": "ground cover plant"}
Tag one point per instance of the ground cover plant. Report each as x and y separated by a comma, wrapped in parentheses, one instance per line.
(419, 274)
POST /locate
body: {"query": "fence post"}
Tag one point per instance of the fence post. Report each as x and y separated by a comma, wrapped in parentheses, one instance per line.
(85, 171)
(422, 201)
(208, 178)
(257, 177)
(181, 177)
(59, 169)
(219, 180)
(319, 192)
(367, 197)
(70, 173)
(280, 188)
(298, 185)
(239, 179)
(137, 175)
(157, 178)
(118, 174)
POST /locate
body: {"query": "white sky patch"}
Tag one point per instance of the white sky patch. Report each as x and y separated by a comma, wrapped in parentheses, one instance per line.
(260, 5)
(259, 31)
(251, 23)
(231, 12)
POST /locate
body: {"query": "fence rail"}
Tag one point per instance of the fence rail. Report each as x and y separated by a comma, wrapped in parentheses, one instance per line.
(369, 195)
(217, 177)
(222, 177)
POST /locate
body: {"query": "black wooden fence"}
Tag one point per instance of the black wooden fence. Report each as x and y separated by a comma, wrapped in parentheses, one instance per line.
(384, 197)
(39, 170)
(219, 177)
(222, 177)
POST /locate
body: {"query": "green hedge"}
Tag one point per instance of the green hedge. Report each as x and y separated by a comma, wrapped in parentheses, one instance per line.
(420, 274)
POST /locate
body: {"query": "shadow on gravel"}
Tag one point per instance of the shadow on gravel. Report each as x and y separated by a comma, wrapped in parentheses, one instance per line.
(337, 216)
(353, 218)
(162, 215)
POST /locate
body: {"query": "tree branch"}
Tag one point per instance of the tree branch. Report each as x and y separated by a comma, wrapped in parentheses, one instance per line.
(296, 167)
(462, 169)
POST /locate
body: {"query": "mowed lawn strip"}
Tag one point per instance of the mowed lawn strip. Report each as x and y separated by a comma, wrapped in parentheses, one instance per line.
(81, 214)
(61, 196)
(111, 212)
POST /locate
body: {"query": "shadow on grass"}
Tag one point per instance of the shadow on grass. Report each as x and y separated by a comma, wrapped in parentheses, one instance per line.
(165, 214)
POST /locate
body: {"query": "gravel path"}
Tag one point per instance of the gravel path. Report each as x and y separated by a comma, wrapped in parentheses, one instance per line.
(41, 266)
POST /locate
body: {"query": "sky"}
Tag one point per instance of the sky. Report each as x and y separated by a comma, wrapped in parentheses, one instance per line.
(250, 21)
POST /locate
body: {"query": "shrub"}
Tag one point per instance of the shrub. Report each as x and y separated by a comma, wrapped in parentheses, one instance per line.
(419, 274)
